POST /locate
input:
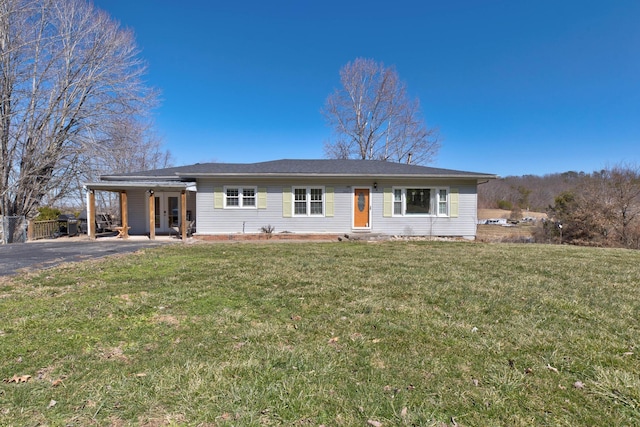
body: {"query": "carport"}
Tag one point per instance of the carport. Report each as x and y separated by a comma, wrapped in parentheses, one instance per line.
(147, 204)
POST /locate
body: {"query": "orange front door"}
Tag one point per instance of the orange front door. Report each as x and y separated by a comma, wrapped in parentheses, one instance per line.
(361, 208)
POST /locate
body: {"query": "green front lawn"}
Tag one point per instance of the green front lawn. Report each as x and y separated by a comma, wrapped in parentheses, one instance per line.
(334, 334)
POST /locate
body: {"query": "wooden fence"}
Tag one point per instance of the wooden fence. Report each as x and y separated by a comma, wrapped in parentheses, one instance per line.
(43, 229)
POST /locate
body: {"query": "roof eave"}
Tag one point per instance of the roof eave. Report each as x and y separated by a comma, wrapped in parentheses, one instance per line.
(336, 175)
(174, 177)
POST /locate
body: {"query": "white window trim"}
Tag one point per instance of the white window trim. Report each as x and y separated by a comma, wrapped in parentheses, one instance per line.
(241, 189)
(308, 201)
(436, 207)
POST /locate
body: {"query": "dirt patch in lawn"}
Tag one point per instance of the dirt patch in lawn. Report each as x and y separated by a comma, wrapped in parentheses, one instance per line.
(496, 233)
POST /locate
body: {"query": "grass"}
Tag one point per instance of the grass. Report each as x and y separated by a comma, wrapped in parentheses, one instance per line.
(396, 333)
(520, 233)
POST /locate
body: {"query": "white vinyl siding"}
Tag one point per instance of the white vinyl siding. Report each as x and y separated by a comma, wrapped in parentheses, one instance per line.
(338, 209)
(460, 221)
(278, 213)
(137, 211)
(138, 208)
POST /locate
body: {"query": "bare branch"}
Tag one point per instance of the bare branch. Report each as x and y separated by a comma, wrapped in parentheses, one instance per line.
(372, 117)
(67, 74)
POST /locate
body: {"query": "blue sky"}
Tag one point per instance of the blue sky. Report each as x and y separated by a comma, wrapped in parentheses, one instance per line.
(514, 87)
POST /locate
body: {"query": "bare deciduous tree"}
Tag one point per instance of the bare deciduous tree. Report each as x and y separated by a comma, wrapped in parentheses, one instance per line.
(68, 75)
(620, 196)
(602, 209)
(127, 145)
(373, 117)
(131, 146)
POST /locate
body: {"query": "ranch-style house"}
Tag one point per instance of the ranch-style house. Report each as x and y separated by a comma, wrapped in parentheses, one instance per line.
(294, 197)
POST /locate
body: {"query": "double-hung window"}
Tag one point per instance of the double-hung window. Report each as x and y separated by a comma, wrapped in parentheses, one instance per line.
(442, 202)
(420, 201)
(397, 201)
(240, 197)
(300, 201)
(308, 201)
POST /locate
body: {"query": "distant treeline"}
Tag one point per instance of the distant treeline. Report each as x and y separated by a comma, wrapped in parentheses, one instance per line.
(599, 208)
(528, 192)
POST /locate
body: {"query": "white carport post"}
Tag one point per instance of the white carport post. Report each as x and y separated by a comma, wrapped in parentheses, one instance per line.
(91, 213)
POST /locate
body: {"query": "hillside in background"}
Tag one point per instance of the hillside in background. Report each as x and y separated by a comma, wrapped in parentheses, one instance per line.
(597, 209)
(530, 192)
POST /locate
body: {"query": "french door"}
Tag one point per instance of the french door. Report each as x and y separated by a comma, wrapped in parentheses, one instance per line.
(167, 212)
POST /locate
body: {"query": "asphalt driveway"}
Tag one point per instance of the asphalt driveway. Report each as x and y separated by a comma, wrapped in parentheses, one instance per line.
(50, 253)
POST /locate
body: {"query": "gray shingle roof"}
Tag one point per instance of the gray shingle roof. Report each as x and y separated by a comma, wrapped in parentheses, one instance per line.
(290, 167)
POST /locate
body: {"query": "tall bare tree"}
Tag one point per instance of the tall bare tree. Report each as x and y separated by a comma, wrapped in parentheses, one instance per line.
(620, 192)
(373, 117)
(68, 75)
(126, 145)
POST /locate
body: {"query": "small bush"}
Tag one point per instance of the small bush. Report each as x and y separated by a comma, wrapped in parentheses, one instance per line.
(516, 214)
(268, 230)
(505, 204)
(46, 213)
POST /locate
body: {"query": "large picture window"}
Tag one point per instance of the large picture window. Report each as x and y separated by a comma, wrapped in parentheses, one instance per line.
(240, 197)
(420, 201)
(308, 201)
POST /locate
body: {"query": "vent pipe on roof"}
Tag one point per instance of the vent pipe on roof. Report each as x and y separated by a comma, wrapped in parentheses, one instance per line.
(409, 159)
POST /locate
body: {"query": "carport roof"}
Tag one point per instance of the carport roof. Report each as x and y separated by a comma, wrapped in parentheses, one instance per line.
(149, 185)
